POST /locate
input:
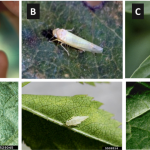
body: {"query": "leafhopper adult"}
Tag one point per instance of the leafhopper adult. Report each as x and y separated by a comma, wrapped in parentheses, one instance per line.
(66, 37)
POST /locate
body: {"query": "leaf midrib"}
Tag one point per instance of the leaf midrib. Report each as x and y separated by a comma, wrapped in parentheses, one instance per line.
(61, 124)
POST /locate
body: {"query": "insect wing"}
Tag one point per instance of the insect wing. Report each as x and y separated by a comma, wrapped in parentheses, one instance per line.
(71, 39)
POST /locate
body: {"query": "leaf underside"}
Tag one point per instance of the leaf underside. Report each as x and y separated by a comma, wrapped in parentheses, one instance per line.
(138, 116)
(46, 116)
(8, 113)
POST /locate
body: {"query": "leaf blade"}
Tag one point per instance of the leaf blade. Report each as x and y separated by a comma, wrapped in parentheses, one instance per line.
(9, 113)
(77, 102)
(143, 71)
(138, 122)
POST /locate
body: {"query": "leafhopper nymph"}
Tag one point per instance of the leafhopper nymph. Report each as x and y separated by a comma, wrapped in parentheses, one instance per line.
(65, 37)
(74, 121)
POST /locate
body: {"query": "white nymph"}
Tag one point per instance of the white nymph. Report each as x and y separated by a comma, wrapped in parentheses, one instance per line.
(76, 120)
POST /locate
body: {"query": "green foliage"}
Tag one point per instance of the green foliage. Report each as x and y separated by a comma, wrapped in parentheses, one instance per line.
(25, 83)
(92, 83)
(137, 38)
(138, 116)
(143, 71)
(43, 59)
(46, 116)
(129, 88)
(8, 113)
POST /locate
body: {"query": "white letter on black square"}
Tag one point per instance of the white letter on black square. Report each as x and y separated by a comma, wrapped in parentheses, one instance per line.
(137, 11)
(33, 11)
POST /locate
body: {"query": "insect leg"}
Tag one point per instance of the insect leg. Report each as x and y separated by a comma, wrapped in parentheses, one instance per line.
(61, 45)
(64, 48)
(55, 40)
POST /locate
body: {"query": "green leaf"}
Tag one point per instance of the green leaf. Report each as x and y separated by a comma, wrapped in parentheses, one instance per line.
(138, 117)
(92, 83)
(43, 59)
(129, 87)
(8, 113)
(137, 43)
(25, 83)
(143, 71)
(146, 6)
(145, 84)
(46, 116)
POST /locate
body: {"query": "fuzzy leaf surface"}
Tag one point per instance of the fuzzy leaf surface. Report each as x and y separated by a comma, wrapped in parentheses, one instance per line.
(8, 113)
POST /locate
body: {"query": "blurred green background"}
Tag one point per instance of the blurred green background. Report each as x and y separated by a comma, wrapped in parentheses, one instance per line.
(9, 43)
(137, 37)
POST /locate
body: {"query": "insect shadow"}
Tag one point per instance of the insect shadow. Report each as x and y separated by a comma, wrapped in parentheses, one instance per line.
(48, 34)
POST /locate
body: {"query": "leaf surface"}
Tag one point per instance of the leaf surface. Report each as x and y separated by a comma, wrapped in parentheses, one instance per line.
(43, 59)
(25, 83)
(8, 113)
(46, 116)
(138, 116)
(143, 71)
